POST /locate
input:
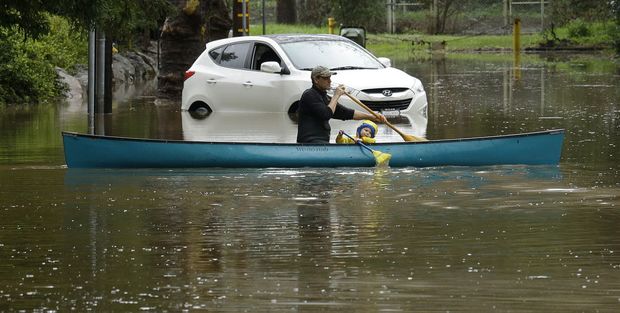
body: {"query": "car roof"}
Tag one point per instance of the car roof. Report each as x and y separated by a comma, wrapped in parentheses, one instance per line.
(285, 38)
(280, 38)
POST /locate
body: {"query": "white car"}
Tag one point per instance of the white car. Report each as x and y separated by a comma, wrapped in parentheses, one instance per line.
(269, 73)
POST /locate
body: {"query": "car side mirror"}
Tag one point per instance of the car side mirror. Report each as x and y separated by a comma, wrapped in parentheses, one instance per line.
(270, 67)
(385, 61)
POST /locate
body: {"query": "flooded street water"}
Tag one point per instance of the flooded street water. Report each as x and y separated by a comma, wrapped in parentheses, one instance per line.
(465, 239)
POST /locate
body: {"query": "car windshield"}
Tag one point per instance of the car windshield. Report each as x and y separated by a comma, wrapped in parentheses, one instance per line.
(336, 55)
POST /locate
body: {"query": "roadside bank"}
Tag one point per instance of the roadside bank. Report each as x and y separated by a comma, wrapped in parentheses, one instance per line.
(129, 69)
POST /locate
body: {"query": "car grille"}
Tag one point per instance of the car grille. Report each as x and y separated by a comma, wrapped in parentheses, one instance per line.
(387, 105)
(380, 90)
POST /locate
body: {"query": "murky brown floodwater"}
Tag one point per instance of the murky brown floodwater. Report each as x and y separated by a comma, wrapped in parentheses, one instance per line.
(510, 238)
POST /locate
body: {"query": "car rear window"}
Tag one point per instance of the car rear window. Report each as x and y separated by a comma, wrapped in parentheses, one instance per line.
(234, 55)
(215, 53)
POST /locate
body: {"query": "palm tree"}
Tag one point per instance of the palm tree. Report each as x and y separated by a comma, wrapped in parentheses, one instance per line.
(183, 38)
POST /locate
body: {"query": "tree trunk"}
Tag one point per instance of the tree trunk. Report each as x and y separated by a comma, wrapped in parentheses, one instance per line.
(183, 39)
(442, 16)
(286, 12)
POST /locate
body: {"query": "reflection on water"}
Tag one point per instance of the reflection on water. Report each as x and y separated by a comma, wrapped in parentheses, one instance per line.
(359, 240)
(281, 127)
(505, 238)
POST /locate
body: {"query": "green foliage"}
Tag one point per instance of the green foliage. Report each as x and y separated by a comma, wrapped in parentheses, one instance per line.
(273, 28)
(24, 75)
(367, 13)
(27, 16)
(33, 43)
(406, 44)
(616, 30)
(30, 16)
(412, 21)
(27, 72)
(64, 46)
(602, 35)
(565, 11)
(314, 12)
(578, 28)
(128, 21)
(121, 19)
(595, 34)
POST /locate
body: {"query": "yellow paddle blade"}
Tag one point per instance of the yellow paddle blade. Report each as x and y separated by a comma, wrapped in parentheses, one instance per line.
(410, 138)
(381, 158)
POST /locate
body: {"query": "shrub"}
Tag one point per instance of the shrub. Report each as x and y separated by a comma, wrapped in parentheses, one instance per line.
(24, 76)
(578, 28)
(27, 72)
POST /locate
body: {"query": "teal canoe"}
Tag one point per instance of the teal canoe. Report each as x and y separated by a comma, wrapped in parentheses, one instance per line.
(94, 151)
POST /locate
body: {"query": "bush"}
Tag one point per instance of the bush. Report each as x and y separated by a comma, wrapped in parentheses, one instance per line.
(27, 72)
(578, 28)
(24, 76)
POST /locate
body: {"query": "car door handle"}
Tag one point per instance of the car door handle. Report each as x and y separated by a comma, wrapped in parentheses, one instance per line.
(248, 84)
(211, 81)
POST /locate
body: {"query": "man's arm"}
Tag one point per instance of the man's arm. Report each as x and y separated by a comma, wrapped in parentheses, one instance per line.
(359, 115)
(339, 91)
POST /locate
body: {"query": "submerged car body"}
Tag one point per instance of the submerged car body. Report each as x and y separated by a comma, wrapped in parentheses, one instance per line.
(269, 73)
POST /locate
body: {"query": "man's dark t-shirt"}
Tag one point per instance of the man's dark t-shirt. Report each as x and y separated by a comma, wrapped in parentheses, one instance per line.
(314, 116)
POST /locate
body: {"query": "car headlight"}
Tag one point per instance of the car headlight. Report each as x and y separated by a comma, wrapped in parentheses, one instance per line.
(417, 87)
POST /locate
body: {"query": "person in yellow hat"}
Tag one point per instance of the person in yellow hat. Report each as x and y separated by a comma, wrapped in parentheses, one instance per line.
(365, 132)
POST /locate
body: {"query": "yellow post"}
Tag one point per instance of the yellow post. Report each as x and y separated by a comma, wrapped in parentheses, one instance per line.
(331, 24)
(516, 35)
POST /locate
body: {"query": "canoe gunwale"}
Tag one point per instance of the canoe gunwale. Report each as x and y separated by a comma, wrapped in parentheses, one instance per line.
(379, 144)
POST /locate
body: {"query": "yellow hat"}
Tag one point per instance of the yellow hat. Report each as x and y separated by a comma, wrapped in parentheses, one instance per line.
(370, 124)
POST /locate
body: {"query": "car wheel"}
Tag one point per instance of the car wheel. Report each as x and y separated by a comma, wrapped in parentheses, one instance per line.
(200, 108)
(293, 108)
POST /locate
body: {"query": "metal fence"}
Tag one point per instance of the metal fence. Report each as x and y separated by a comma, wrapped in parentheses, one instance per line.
(467, 17)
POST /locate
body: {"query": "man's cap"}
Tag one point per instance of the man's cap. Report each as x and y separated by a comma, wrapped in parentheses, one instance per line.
(321, 71)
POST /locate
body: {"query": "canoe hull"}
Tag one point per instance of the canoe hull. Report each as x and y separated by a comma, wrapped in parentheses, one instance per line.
(91, 151)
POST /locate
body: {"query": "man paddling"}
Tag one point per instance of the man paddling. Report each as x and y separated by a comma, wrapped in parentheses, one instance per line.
(316, 109)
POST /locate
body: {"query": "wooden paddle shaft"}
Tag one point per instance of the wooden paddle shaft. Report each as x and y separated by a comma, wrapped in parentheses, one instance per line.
(405, 136)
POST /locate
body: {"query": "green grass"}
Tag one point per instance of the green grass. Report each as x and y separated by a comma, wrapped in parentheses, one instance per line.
(272, 28)
(595, 34)
(403, 45)
(386, 43)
